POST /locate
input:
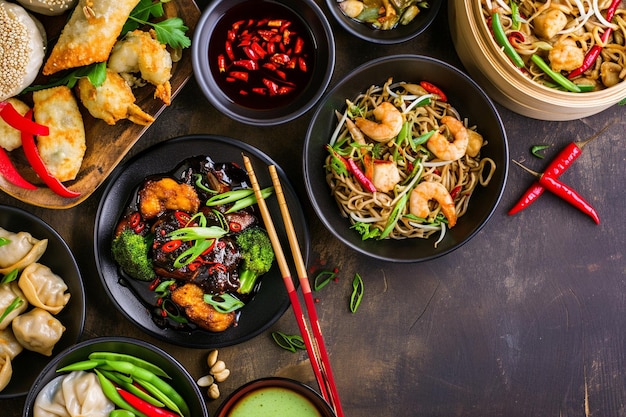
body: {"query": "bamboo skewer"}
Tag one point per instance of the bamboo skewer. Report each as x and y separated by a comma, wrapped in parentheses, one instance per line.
(314, 345)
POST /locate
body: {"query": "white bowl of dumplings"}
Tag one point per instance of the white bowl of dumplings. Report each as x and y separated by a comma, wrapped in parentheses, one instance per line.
(76, 393)
(42, 310)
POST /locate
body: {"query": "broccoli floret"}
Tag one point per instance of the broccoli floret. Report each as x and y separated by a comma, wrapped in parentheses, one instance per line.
(130, 251)
(257, 257)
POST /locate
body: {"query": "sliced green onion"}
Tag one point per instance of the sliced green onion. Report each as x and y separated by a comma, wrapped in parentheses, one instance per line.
(224, 303)
(515, 17)
(186, 234)
(201, 185)
(421, 139)
(4, 241)
(16, 303)
(10, 277)
(322, 279)
(163, 286)
(395, 215)
(289, 342)
(357, 293)
(193, 252)
(229, 197)
(250, 200)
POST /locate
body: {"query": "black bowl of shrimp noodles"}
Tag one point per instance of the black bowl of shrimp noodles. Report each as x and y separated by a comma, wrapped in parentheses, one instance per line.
(431, 146)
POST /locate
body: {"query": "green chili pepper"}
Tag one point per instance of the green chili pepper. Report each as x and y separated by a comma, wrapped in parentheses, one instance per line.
(109, 390)
(357, 293)
(536, 150)
(556, 76)
(503, 41)
(113, 356)
(288, 342)
(323, 278)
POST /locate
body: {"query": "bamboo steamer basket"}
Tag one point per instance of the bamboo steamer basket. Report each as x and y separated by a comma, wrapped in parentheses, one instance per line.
(492, 69)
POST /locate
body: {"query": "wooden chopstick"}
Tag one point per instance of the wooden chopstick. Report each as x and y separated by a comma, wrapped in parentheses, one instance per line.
(314, 346)
(306, 291)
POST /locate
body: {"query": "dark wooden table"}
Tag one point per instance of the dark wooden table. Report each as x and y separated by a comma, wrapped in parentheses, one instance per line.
(527, 319)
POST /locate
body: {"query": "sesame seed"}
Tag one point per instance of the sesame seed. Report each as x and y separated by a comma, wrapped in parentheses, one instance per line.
(14, 51)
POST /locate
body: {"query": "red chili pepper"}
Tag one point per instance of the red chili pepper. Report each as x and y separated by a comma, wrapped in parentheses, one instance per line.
(272, 87)
(250, 53)
(258, 50)
(8, 171)
(594, 52)
(275, 23)
(155, 283)
(559, 164)
(239, 75)
(234, 226)
(297, 49)
(218, 267)
(280, 59)
(248, 64)
(143, 406)
(182, 217)
(171, 245)
(302, 64)
(433, 89)
(228, 47)
(33, 157)
(360, 176)
(455, 191)
(22, 123)
(221, 63)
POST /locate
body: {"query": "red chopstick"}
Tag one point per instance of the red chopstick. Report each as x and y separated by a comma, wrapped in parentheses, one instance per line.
(315, 346)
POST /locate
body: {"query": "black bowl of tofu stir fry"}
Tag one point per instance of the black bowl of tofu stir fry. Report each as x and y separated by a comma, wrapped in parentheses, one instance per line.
(42, 300)
(406, 160)
(544, 60)
(384, 21)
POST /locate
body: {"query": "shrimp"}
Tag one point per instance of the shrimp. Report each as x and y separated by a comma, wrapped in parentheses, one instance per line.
(385, 175)
(141, 52)
(156, 196)
(390, 123)
(445, 150)
(426, 191)
(113, 100)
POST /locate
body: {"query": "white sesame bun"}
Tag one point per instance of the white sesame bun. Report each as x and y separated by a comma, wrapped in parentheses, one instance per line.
(23, 48)
(48, 7)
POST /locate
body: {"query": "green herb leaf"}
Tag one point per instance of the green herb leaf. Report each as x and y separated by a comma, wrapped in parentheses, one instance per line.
(95, 72)
(365, 230)
(172, 32)
(289, 342)
(224, 303)
(357, 293)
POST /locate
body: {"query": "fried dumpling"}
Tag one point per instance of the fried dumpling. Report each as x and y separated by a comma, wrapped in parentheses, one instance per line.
(113, 100)
(89, 35)
(38, 331)
(43, 288)
(64, 148)
(11, 138)
(10, 296)
(21, 250)
(9, 344)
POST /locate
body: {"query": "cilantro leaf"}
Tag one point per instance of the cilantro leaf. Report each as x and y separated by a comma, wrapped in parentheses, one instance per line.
(172, 32)
(95, 72)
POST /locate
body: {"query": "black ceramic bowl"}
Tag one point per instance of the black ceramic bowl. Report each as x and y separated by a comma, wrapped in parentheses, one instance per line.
(180, 380)
(401, 33)
(286, 392)
(270, 107)
(471, 102)
(60, 260)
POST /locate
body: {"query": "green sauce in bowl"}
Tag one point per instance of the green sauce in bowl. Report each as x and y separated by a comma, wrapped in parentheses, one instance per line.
(274, 402)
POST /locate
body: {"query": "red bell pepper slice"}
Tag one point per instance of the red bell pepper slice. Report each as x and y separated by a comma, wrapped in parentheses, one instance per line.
(33, 157)
(22, 123)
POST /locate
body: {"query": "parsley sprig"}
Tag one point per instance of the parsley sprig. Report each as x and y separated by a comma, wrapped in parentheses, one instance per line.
(169, 31)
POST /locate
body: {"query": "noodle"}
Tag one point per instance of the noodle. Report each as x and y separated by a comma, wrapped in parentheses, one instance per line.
(563, 32)
(389, 213)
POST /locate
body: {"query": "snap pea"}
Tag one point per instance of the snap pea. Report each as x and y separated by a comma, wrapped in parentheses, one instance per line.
(167, 402)
(110, 356)
(503, 41)
(556, 76)
(109, 390)
(81, 366)
(141, 374)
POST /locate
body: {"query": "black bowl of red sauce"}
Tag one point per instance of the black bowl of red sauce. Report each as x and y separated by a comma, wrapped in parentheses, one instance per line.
(263, 62)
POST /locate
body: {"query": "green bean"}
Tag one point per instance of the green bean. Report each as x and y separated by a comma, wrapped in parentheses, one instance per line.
(81, 366)
(127, 383)
(110, 356)
(556, 76)
(121, 413)
(142, 374)
(109, 390)
(503, 41)
(159, 395)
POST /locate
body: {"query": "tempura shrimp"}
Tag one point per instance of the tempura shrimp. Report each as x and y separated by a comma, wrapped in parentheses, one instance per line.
(389, 125)
(426, 191)
(113, 100)
(445, 150)
(141, 52)
(156, 196)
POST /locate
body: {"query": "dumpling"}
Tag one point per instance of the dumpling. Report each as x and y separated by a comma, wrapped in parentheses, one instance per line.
(8, 294)
(43, 288)
(22, 250)
(76, 394)
(38, 331)
(9, 344)
(6, 371)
